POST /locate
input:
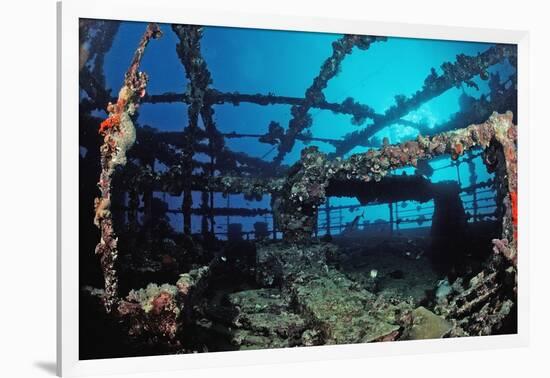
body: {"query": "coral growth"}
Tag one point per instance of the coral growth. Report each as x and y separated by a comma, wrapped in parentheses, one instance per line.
(119, 135)
(502, 247)
(481, 308)
(314, 94)
(299, 291)
(111, 122)
(151, 311)
(160, 312)
(458, 150)
(463, 70)
(297, 197)
(305, 188)
(514, 205)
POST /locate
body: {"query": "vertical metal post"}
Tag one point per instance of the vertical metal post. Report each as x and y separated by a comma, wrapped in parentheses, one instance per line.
(397, 216)
(316, 229)
(274, 227)
(227, 220)
(340, 219)
(212, 213)
(390, 205)
(475, 204)
(327, 212)
(186, 203)
(148, 206)
(204, 208)
(457, 163)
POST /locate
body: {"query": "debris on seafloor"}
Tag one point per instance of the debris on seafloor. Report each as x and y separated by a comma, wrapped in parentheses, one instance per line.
(427, 325)
(218, 249)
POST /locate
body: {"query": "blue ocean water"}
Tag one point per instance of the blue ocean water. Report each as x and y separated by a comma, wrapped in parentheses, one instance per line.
(285, 63)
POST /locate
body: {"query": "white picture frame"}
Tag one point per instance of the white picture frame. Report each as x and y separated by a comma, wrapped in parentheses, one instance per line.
(162, 11)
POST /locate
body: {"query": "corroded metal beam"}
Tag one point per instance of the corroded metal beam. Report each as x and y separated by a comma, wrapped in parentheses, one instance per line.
(360, 112)
(95, 39)
(307, 183)
(462, 71)
(199, 77)
(305, 189)
(301, 120)
(119, 136)
(226, 160)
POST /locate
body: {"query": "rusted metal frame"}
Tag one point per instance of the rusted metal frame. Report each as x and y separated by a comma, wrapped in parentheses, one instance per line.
(300, 118)
(308, 179)
(189, 54)
(305, 189)
(119, 135)
(223, 211)
(226, 159)
(220, 211)
(489, 298)
(199, 79)
(215, 147)
(254, 186)
(301, 137)
(360, 112)
(462, 71)
(92, 81)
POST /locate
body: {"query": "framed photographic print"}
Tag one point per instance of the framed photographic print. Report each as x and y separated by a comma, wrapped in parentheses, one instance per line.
(248, 188)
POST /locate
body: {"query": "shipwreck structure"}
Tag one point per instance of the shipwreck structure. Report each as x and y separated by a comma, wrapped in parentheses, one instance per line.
(295, 272)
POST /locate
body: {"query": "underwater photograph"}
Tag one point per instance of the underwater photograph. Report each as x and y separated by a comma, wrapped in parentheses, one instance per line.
(252, 189)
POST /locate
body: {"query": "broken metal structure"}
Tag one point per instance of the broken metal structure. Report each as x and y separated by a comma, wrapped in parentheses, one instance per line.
(298, 193)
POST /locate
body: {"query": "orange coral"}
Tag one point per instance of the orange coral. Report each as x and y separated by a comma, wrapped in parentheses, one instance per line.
(161, 301)
(109, 123)
(114, 119)
(514, 200)
(459, 148)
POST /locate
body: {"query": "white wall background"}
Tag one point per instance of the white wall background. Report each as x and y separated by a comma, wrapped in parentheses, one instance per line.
(27, 220)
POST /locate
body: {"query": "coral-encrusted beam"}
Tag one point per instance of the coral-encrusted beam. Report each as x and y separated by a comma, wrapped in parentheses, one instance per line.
(462, 71)
(95, 39)
(360, 112)
(119, 135)
(301, 120)
(196, 71)
(304, 191)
